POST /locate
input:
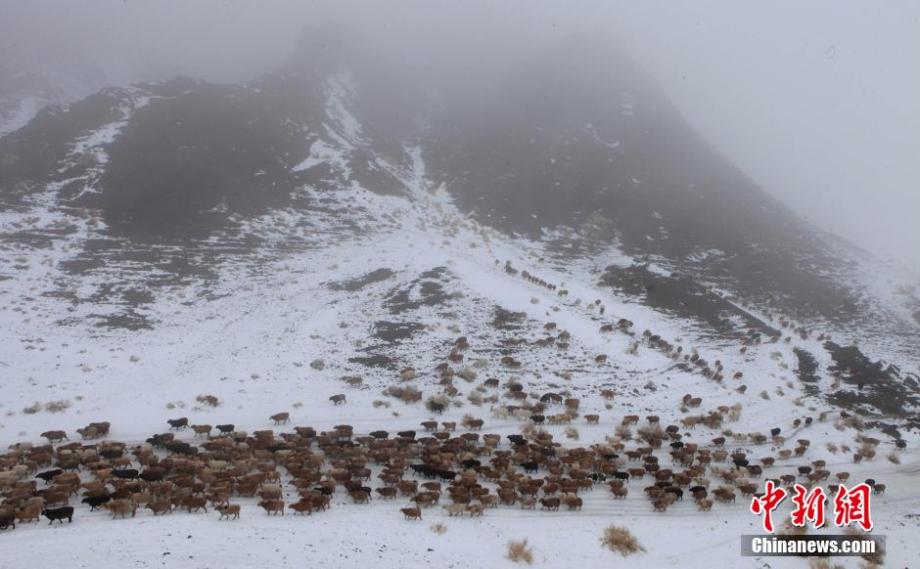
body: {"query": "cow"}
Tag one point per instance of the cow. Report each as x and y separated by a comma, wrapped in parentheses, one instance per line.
(49, 475)
(412, 513)
(304, 506)
(202, 429)
(227, 428)
(281, 418)
(59, 514)
(7, 521)
(159, 507)
(338, 399)
(96, 501)
(178, 424)
(194, 503)
(551, 504)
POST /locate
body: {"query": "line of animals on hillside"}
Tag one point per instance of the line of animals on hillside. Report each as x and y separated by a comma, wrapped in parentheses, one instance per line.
(476, 471)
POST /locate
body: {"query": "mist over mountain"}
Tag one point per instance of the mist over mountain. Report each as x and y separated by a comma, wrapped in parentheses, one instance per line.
(506, 266)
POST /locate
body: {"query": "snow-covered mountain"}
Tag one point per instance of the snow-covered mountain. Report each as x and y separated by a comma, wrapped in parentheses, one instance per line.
(269, 243)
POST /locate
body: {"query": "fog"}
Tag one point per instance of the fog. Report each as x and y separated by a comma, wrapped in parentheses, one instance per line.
(818, 102)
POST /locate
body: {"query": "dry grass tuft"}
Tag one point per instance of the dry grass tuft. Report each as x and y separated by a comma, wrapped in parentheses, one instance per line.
(209, 400)
(519, 552)
(621, 540)
(57, 406)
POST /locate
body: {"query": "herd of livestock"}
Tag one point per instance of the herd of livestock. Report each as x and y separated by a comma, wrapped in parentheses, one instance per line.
(303, 470)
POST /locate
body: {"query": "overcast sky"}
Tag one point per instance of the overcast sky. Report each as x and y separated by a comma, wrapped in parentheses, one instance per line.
(818, 101)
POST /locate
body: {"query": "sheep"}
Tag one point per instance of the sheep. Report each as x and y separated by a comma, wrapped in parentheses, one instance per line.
(338, 399)
(29, 513)
(228, 510)
(121, 507)
(272, 507)
(475, 510)
(55, 436)
(455, 509)
(281, 418)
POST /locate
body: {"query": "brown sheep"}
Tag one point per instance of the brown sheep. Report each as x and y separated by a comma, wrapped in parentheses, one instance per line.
(30, 513)
(360, 496)
(592, 419)
(387, 492)
(455, 509)
(704, 505)
(574, 503)
(121, 508)
(228, 510)
(281, 418)
(55, 436)
(272, 507)
(337, 399)
(475, 510)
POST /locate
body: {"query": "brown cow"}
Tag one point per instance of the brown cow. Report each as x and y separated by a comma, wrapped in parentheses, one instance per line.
(202, 429)
(411, 513)
(551, 504)
(337, 399)
(194, 503)
(159, 507)
(281, 418)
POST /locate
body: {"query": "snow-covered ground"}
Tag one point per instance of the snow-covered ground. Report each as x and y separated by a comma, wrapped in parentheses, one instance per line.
(277, 331)
(252, 346)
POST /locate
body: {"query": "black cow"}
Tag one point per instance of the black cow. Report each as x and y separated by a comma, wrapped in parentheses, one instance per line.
(178, 423)
(59, 514)
(530, 466)
(7, 521)
(678, 493)
(96, 501)
(226, 428)
(49, 475)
